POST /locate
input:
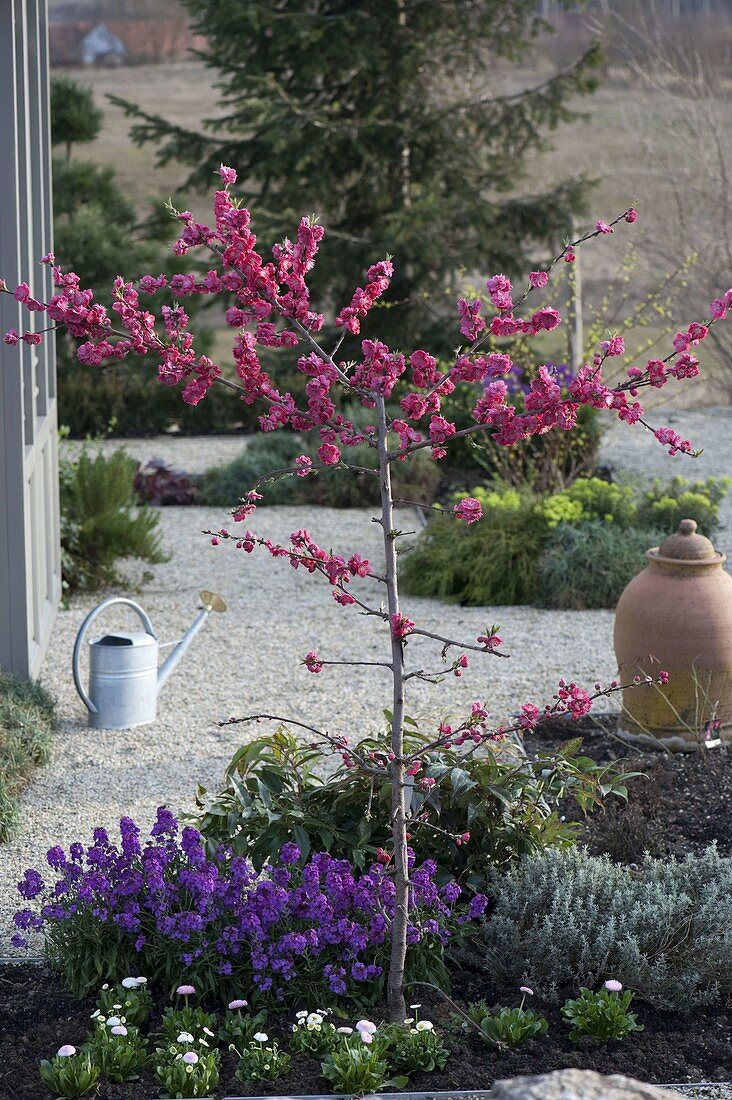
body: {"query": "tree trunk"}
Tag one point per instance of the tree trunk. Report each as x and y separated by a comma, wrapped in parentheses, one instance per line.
(395, 981)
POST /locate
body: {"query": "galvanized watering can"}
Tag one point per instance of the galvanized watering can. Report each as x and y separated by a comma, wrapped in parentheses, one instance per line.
(124, 678)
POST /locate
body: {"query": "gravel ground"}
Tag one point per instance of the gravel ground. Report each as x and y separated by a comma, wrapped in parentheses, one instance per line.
(246, 661)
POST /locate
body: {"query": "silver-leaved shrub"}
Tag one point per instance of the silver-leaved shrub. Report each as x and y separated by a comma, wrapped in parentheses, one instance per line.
(568, 919)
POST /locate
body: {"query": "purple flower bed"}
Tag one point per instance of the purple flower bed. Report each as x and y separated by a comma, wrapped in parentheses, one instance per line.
(299, 929)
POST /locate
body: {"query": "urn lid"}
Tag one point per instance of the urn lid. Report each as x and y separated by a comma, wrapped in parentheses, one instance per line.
(687, 546)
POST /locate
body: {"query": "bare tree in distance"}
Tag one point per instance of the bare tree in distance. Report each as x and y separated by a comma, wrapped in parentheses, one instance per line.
(682, 123)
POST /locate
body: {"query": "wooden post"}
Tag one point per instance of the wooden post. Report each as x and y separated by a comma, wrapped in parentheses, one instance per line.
(575, 321)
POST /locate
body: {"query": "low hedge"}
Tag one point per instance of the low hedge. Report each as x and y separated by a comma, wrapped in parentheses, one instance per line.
(574, 549)
(26, 724)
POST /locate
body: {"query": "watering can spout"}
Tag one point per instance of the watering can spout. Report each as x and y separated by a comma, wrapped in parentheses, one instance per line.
(211, 602)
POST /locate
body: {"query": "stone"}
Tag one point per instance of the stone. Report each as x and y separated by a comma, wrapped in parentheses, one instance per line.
(578, 1084)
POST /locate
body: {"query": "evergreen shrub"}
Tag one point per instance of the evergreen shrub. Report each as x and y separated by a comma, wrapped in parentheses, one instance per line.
(100, 520)
(337, 488)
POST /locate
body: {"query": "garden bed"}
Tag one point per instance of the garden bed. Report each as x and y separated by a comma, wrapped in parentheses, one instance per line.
(36, 1017)
(680, 804)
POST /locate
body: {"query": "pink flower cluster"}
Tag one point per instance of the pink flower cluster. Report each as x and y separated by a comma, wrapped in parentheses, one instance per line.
(270, 308)
(304, 552)
(378, 278)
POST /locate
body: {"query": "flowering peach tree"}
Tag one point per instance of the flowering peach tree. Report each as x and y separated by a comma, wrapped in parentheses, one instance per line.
(270, 307)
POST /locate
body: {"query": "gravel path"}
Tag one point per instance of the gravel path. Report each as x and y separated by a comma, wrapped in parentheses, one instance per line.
(246, 660)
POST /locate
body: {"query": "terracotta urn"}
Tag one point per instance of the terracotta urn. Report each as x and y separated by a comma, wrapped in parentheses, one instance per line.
(676, 615)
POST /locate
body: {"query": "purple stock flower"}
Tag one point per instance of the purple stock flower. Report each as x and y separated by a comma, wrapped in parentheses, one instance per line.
(166, 823)
(31, 884)
(323, 924)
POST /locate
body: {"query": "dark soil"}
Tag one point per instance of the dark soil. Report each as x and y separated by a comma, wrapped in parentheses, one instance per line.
(37, 1017)
(681, 803)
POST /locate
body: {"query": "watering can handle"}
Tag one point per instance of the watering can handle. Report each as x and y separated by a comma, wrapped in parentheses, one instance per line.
(82, 633)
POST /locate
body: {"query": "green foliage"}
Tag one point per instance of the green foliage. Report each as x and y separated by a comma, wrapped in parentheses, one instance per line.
(100, 520)
(356, 1069)
(415, 1047)
(565, 918)
(193, 1020)
(590, 498)
(491, 563)
(574, 549)
(134, 1004)
(74, 115)
(98, 234)
(224, 485)
(509, 803)
(238, 1028)
(313, 1035)
(258, 1062)
(69, 1077)
(602, 1016)
(26, 726)
(589, 565)
(665, 505)
(510, 1027)
(179, 1079)
(417, 479)
(131, 397)
(381, 167)
(119, 1057)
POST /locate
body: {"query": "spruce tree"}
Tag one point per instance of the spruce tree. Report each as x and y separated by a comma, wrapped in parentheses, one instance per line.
(386, 118)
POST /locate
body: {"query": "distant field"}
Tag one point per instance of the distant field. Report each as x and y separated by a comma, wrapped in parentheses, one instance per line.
(610, 145)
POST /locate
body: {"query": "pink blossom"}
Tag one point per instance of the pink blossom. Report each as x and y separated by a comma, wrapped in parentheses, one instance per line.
(401, 626)
(328, 454)
(663, 677)
(304, 465)
(11, 337)
(603, 227)
(469, 509)
(66, 1051)
(569, 256)
(234, 1006)
(718, 308)
(440, 429)
(22, 292)
(312, 663)
(471, 322)
(545, 319)
(228, 175)
(631, 215)
(538, 279)
(190, 1057)
(613, 985)
(529, 716)
(185, 990)
(489, 641)
(614, 346)
(697, 332)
